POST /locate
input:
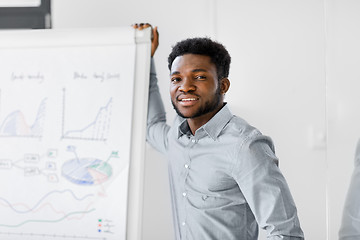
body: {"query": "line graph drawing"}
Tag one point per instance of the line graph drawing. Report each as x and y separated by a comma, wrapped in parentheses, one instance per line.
(95, 130)
(82, 213)
(16, 124)
(15, 206)
(47, 209)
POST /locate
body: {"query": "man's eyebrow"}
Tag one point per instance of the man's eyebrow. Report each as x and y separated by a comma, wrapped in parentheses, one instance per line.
(194, 71)
(199, 70)
(174, 73)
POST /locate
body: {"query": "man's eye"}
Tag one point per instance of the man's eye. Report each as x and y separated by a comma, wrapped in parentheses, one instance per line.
(175, 79)
(200, 77)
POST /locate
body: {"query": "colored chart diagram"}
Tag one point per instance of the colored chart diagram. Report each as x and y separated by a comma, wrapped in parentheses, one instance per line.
(16, 125)
(86, 171)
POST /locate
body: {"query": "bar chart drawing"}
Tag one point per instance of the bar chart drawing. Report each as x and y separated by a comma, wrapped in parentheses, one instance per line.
(97, 129)
(16, 123)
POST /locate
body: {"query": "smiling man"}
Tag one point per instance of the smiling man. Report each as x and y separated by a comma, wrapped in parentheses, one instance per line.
(196, 91)
(223, 172)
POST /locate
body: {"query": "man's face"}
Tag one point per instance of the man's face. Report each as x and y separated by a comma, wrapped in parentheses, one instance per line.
(194, 87)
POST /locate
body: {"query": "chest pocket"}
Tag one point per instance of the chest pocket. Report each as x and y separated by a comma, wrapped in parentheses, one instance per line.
(211, 189)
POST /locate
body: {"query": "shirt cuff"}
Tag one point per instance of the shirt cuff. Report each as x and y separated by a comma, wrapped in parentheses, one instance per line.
(152, 66)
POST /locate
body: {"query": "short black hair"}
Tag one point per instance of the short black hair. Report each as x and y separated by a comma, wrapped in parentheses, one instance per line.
(203, 46)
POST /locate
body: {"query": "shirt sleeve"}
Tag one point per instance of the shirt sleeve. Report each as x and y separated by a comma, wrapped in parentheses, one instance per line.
(157, 128)
(350, 225)
(265, 189)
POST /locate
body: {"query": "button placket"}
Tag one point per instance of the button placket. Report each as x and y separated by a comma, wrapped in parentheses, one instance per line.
(184, 193)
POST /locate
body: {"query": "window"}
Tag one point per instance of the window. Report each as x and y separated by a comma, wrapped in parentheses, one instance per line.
(25, 14)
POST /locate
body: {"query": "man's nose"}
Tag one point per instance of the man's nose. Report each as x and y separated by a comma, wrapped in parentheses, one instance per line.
(187, 85)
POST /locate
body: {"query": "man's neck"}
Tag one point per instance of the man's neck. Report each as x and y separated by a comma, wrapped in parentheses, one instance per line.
(196, 123)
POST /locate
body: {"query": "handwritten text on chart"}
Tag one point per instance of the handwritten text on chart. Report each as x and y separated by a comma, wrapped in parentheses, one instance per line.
(99, 76)
(36, 77)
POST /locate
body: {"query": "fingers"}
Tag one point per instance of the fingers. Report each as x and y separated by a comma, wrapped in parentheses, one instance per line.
(141, 26)
(155, 34)
(154, 40)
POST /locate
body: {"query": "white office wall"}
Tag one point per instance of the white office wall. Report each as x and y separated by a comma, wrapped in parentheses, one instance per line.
(277, 84)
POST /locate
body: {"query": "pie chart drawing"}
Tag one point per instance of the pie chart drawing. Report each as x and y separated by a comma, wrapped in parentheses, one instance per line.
(86, 171)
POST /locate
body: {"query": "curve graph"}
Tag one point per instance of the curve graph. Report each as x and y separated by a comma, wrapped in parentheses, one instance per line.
(95, 130)
(22, 208)
(47, 209)
(16, 125)
(47, 220)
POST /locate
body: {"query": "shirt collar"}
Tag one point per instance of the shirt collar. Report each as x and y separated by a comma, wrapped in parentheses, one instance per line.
(213, 127)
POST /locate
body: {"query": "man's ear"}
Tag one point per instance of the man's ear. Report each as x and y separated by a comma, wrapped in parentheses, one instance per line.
(224, 85)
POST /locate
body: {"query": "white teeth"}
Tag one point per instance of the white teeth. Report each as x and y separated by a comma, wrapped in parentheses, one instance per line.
(188, 99)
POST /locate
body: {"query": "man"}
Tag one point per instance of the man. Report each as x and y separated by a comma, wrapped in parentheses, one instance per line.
(350, 224)
(223, 173)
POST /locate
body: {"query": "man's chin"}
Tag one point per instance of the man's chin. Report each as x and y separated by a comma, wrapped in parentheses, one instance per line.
(183, 114)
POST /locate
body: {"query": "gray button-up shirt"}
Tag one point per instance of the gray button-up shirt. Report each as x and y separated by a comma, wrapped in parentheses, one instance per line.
(224, 179)
(350, 225)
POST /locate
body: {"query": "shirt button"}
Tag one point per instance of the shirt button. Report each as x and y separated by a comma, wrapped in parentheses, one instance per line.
(184, 194)
(186, 166)
(193, 140)
(183, 223)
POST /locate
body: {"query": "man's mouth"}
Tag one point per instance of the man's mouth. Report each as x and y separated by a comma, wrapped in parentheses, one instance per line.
(187, 101)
